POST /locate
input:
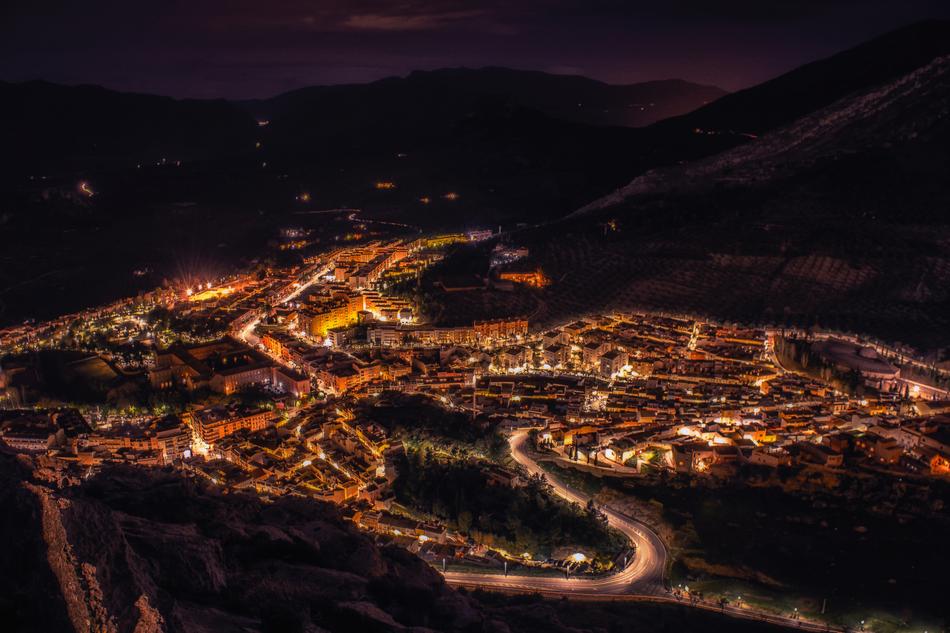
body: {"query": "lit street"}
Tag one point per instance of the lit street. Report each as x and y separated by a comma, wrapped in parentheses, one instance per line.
(643, 575)
(641, 580)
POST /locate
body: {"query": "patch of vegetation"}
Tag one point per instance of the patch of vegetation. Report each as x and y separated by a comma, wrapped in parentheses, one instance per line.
(869, 547)
(527, 518)
(189, 328)
(797, 356)
(422, 423)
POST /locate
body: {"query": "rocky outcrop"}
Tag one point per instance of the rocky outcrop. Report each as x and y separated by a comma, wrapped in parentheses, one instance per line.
(145, 551)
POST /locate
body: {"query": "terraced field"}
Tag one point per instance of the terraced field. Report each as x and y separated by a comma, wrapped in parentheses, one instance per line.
(897, 298)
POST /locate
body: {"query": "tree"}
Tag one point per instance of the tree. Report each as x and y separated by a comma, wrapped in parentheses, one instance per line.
(595, 514)
(464, 521)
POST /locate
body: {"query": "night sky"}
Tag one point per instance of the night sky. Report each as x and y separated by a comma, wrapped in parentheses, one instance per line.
(243, 48)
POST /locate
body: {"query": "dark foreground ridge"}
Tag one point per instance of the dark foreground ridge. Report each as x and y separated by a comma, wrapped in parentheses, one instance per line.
(148, 550)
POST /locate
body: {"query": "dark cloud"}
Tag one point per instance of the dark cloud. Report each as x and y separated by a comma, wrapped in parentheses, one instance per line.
(242, 48)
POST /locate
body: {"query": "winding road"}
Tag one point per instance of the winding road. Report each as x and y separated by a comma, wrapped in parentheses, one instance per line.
(642, 580)
(642, 576)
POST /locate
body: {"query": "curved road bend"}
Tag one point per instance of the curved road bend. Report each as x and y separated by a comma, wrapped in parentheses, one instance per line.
(642, 576)
(642, 580)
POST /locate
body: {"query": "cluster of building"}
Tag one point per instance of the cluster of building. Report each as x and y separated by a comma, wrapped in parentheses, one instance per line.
(505, 254)
(325, 454)
(363, 266)
(41, 430)
(535, 278)
(628, 393)
(477, 334)
(65, 434)
(384, 354)
(223, 366)
(335, 307)
(637, 392)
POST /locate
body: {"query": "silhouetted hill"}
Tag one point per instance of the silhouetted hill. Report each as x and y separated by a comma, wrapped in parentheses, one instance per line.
(444, 96)
(48, 127)
(820, 83)
(519, 146)
(903, 122)
(454, 123)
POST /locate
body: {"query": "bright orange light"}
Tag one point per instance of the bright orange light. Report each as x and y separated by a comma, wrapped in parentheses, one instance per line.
(209, 293)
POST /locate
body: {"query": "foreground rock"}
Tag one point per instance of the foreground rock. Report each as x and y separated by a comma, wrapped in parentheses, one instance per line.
(141, 550)
(135, 550)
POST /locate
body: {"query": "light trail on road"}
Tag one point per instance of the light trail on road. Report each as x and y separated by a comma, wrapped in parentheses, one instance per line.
(642, 580)
(643, 575)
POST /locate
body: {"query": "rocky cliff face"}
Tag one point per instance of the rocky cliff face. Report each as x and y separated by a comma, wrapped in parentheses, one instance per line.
(141, 551)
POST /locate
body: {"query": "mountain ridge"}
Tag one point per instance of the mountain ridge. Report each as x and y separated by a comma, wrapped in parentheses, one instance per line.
(559, 96)
(51, 127)
(899, 111)
(816, 84)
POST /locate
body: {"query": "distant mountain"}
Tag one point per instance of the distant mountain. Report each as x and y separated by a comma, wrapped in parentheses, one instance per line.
(905, 121)
(741, 117)
(50, 127)
(781, 100)
(522, 146)
(238, 181)
(440, 113)
(525, 145)
(447, 95)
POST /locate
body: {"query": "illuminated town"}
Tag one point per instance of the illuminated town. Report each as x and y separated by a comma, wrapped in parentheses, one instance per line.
(454, 317)
(266, 382)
